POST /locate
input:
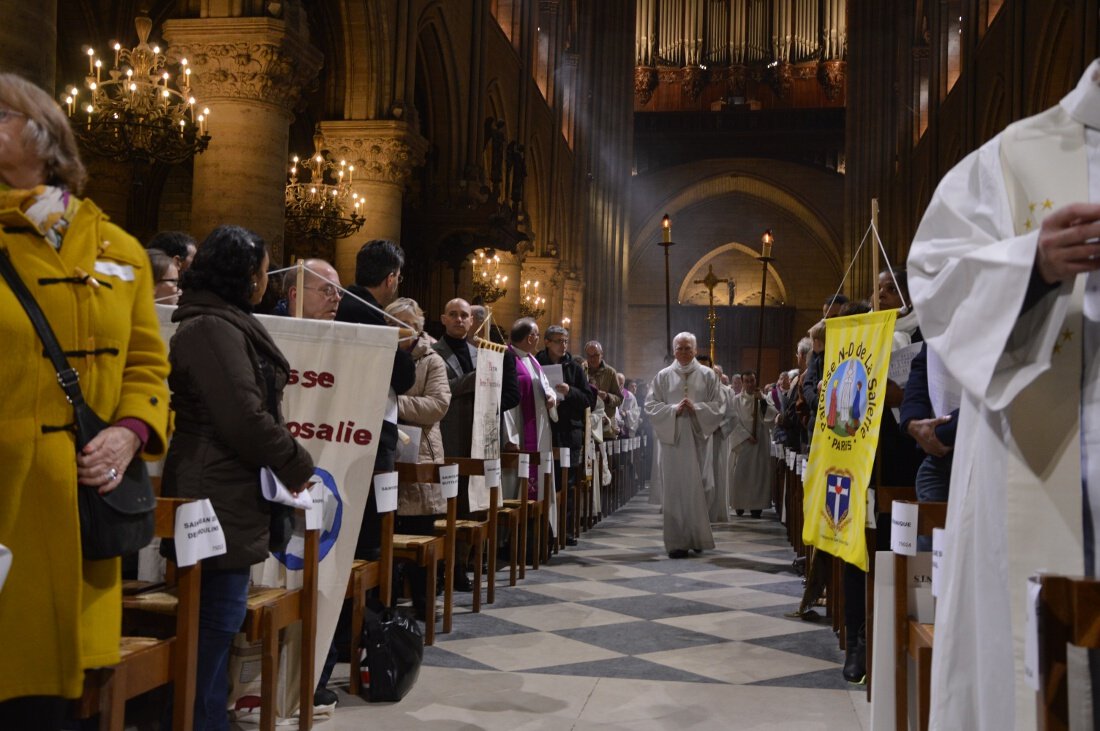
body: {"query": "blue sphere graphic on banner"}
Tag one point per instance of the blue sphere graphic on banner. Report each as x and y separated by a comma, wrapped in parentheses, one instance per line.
(333, 512)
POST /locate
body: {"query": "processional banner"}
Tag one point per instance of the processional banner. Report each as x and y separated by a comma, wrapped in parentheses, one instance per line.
(845, 435)
(485, 439)
(333, 405)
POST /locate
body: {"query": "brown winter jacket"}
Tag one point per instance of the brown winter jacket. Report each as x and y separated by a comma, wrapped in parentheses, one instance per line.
(423, 406)
(227, 383)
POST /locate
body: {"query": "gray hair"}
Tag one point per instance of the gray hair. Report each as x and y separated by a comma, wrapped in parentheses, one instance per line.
(407, 304)
(556, 330)
(593, 344)
(47, 129)
(685, 336)
(478, 313)
(805, 345)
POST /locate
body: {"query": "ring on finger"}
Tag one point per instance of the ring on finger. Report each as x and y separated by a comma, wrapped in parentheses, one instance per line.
(112, 474)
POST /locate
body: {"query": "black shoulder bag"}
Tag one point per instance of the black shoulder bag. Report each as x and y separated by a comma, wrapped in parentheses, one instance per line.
(121, 521)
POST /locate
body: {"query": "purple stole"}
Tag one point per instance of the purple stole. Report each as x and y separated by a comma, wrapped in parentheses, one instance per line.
(529, 437)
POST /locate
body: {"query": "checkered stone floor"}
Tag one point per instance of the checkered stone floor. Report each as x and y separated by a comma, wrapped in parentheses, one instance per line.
(612, 634)
(617, 606)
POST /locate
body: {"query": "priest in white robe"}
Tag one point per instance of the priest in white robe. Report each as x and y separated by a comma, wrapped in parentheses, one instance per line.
(684, 406)
(1003, 277)
(751, 488)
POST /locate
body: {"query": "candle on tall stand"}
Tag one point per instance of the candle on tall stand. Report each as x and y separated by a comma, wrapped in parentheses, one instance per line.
(765, 258)
(666, 242)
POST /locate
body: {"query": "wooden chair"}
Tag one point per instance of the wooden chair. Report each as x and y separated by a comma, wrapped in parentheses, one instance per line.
(529, 510)
(367, 575)
(146, 662)
(426, 551)
(912, 638)
(884, 504)
(273, 609)
(563, 526)
(1069, 613)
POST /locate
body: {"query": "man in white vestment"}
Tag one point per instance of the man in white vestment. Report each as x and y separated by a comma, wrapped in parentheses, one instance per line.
(751, 488)
(684, 406)
(1003, 277)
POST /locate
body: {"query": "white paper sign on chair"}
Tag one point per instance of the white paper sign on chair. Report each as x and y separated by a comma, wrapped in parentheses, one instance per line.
(198, 533)
(937, 559)
(565, 455)
(385, 485)
(903, 528)
(524, 467)
(448, 480)
(492, 473)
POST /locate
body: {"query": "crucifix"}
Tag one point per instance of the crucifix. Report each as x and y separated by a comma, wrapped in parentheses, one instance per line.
(711, 281)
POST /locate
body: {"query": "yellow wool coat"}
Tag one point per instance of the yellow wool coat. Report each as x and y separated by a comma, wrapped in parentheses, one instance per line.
(60, 614)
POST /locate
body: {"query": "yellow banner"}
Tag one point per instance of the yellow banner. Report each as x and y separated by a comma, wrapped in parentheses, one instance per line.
(845, 433)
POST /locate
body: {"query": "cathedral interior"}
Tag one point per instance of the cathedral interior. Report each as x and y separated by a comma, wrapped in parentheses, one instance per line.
(555, 135)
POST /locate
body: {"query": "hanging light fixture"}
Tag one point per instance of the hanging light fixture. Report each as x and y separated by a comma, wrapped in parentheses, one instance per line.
(320, 203)
(488, 282)
(531, 302)
(131, 110)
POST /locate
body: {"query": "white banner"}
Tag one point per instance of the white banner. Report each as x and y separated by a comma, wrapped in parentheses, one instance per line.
(333, 405)
(485, 442)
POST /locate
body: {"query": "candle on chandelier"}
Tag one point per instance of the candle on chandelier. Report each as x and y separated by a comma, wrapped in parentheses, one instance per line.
(118, 48)
(91, 61)
(98, 68)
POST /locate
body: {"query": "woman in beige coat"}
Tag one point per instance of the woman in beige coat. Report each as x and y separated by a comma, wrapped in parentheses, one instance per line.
(421, 406)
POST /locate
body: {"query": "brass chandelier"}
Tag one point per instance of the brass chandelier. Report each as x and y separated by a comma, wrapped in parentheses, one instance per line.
(130, 112)
(320, 205)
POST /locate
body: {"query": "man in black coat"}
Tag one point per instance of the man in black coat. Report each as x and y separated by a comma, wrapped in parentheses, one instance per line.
(377, 275)
(576, 396)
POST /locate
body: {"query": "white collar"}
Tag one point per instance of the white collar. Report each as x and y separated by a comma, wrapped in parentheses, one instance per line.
(685, 370)
(1083, 103)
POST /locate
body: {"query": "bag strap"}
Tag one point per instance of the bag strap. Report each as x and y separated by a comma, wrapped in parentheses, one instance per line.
(67, 377)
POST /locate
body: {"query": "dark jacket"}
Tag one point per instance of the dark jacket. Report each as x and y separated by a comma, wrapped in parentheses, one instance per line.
(918, 405)
(457, 424)
(227, 383)
(402, 377)
(568, 430)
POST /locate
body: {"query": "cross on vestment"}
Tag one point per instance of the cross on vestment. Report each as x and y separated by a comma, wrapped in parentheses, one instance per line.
(711, 281)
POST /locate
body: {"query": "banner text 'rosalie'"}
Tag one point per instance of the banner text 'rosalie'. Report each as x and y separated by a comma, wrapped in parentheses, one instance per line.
(343, 432)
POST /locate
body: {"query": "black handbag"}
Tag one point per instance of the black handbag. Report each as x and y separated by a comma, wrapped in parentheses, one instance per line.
(393, 646)
(122, 521)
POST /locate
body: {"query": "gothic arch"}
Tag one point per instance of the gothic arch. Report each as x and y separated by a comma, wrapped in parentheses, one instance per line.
(359, 54)
(746, 274)
(749, 185)
(435, 60)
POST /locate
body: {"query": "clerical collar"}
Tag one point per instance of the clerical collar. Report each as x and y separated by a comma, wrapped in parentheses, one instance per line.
(1083, 103)
(684, 370)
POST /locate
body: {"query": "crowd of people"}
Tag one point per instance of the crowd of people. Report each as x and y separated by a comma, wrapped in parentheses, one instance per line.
(995, 297)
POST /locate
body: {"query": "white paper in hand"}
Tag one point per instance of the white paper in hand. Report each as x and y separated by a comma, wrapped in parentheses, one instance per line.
(198, 533)
(448, 480)
(5, 564)
(275, 491)
(1031, 634)
(903, 528)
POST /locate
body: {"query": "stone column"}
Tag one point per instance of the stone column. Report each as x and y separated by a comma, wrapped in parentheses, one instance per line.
(28, 41)
(572, 305)
(384, 154)
(250, 72)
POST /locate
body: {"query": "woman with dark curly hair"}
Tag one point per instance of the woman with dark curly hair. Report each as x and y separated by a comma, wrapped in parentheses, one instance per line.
(227, 381)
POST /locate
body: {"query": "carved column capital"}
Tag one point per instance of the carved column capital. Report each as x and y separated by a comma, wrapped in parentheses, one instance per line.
(255, 59)
(382, 151)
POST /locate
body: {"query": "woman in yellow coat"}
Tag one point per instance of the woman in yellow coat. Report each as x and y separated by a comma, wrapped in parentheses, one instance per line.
(60, 614)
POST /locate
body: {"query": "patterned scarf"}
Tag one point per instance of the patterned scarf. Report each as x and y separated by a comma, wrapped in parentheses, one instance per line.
(47, 207)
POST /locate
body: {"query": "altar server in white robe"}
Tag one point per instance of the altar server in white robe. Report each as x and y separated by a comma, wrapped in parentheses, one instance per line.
(720, 455)
(998, 272)
(751, 488)
(684, 406)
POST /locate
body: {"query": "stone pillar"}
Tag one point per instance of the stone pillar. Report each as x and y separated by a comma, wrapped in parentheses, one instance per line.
(384, 154)
(250, 72)
(28, 41)
(572, 303)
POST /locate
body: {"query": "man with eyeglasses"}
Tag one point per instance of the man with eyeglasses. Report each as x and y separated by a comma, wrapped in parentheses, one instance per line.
(575, 396)
(322, 294)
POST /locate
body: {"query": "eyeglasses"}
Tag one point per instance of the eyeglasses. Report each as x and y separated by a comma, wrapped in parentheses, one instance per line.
(173, 282)
(558, 340)
(6, 114)
(329, 291)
